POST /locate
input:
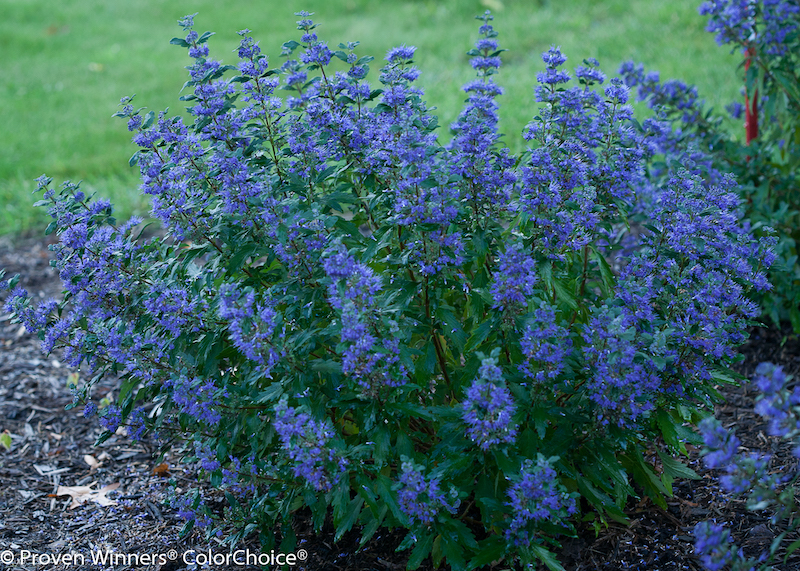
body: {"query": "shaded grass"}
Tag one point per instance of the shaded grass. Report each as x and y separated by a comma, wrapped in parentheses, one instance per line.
(66, 65)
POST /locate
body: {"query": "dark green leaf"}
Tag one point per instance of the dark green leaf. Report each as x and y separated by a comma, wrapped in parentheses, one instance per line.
(600, 499)
(480, 334)
(647, 478)
(490, 550)
(421, 550)
(676, 468)
(371, 526)
(453, 550)
(346, 523)
(547, 557)
(452, 328)
(794, 546)
(605, 272)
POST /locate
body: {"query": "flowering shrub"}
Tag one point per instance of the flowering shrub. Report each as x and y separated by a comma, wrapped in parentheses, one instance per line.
(749, 475)
(767, 33)
(348, 317)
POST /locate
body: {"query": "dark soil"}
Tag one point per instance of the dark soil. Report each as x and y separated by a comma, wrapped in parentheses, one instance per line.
(52, 448)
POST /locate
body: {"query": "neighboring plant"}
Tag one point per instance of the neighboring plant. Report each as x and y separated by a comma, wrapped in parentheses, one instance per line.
(750, 475)
(767, 33)
(347, 317)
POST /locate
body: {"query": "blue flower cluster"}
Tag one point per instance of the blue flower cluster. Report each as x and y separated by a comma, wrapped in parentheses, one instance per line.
(621, 383)
(776, 404)
(175, 308)
(421, 498)
(93, 265)
(371, 357)
(735, 22)
(679, 115)
(206, 457)
(536, 495)
(309, 444)
(404, 153)
(722, 445)
(675, 94)
(780, 22)
(695, 244)
(192, 508)
(489, 408)
(584, 154)
(514, 278)
(486, 172)
(111, 418)
(731, 20)
(751, 474)
(199, 398)
(33, 318)
(545, 346)
(713, 545)
(251, 324)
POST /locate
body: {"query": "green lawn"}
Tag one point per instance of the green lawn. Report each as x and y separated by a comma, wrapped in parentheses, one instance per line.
(65, 65)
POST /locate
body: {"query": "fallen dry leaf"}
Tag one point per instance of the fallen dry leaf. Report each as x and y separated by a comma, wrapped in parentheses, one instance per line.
(92, 462)
(82, 494)
(161, 470)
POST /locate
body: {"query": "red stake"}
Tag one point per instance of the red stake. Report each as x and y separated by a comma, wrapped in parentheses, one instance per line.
(750, 113)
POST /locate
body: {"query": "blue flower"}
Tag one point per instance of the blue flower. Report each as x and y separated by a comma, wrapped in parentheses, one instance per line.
(198, 398)
(251, 324)
(780, 21)
(536, 495)
(308, 443)
(136, 424)
(488, 408)
(514, 278)
(713, 545)
(317, 54)
(207, 457)
(775, 403)
(90, 409)
(591, 73)
(721, 443)
(187, 22)
(401, 54)
(735, 109)
(732, 20)
(545, 345)
(553, 57)
(111, 418)
(420, 498)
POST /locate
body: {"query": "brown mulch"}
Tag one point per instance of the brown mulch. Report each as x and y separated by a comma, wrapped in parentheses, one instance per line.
(52, 448)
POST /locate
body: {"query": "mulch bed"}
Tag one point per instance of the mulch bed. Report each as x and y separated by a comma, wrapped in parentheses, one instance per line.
(52, 448)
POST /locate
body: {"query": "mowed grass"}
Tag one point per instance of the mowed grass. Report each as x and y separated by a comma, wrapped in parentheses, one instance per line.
(65, 65)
